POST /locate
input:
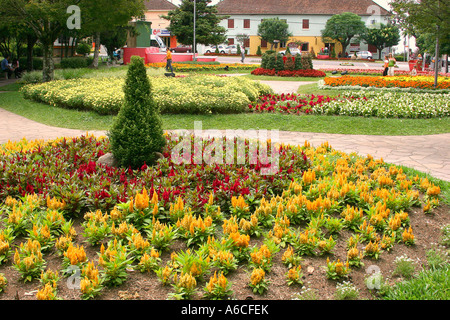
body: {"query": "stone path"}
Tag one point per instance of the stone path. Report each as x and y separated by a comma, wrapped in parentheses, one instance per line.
(430, 153)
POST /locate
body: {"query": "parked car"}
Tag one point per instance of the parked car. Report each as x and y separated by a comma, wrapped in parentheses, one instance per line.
(181, 49)
(212, 49)
(293, 51)
(364, 54)
(231, 49)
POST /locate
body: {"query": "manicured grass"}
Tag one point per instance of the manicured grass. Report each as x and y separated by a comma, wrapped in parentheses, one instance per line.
(314, 89)
(74, 119)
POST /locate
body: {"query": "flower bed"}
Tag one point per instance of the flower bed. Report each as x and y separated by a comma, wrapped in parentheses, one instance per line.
(192, 94)
(288, 73)
(366, 103)
(420, 82)
(67, 169)
(188, 67)
(380, 71)
(230, 221)
(386, 104)
(288, 103)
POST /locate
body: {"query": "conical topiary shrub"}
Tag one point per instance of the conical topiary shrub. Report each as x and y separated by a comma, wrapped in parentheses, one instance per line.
(136, 134)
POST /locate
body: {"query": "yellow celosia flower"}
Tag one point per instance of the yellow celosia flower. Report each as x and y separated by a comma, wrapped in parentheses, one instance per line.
(142, 200)
(257, 276)
(46, 293)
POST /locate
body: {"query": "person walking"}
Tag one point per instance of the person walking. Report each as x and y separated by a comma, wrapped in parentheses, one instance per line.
(386, 66)
(242, 54)
(168, 59)
(391, 64)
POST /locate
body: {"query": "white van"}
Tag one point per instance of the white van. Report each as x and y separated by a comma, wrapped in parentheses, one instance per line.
(156, 41)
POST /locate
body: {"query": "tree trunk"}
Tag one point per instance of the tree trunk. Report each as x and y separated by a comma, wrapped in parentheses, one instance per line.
(96, 50)
(48, 70)
(31, 41)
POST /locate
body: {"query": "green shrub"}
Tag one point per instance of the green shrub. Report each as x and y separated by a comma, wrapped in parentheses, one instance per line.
(306, 61)
(37, 63)
(75, 63)
(136, 134)
(258, 51)
(289, 64)
(298, 62)
(83, 48)
(268, 60)
(279, 63)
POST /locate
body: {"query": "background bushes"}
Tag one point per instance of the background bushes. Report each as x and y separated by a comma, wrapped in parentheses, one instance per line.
(76, 62)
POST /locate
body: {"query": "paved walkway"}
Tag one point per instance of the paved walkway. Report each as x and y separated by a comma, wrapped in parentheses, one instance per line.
(430, 153)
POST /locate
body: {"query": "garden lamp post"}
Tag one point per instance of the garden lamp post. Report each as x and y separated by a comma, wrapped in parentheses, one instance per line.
(194, 45)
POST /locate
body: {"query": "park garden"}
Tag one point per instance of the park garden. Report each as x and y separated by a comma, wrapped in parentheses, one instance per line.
(160, 229)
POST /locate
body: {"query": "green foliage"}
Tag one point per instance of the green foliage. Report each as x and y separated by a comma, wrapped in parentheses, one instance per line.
(289, 64)
(382, 36)
(258, 51)
(83, 48)
(274, 29)
(298, 62)
(342, 28)
(38, 64)
(137, 132)
(182, 23)
(75, 63)
(306, 62)
(279, 63)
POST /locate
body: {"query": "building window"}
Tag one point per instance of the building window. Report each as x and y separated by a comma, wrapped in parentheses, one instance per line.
(305, 46)
(230, 41)
(246, 23)
(305, 23)
(263, 43)
(246, 43)
(230, 23)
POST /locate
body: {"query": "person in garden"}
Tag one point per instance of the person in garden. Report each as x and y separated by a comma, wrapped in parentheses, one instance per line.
(386, 66)
(6, 68)
(168, 59)
(391, 64)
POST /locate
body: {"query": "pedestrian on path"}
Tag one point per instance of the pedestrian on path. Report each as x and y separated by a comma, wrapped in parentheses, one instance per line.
(242, 54)
(168, 59)
(386, 66)
(391, 64)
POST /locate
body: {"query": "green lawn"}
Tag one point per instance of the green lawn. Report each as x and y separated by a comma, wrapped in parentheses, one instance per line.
(13, 101)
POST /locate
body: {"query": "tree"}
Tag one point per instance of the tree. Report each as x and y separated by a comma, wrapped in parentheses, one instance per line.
(274, 29)
(207, 31)
(382, 36)
(105, 16)
(342, 28)
(46, 18)
(136, 134)
(424, 17)
(115, 38)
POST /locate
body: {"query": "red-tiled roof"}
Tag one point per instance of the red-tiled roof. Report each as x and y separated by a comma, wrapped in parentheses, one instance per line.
(298, 7)
(159, 5)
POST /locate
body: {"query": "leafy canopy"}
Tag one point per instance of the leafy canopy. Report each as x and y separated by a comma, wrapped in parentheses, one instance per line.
(342, 28)
(274, 29)
(207, 30)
